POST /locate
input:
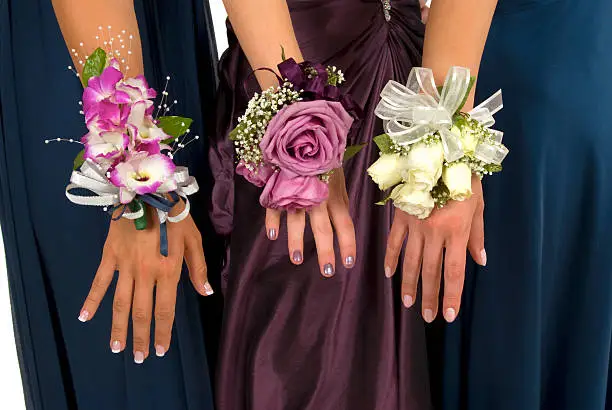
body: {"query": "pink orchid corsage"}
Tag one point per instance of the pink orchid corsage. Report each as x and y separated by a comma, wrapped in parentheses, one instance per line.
(292, 137)
(127, 159)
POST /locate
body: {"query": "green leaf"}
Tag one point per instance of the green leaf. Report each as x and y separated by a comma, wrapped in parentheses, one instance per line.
(233, 135)
(384, 143)
(78, 160)
(174, 126)
(467, 94)
(386, 199)
(140, 223)
(283, 56)
(353, 150)
(94, 65)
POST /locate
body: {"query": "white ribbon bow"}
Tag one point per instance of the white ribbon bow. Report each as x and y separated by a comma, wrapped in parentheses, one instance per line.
(413, 111)
(92, 177)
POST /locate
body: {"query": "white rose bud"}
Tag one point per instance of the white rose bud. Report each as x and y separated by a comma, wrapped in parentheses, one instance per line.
(467, 137)
(387, 170)
(413, 201)
(424, 165)
(458, 179)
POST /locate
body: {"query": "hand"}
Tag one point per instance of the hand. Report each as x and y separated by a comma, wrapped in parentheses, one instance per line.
(455, 227)
(135, 254)
(333, 211)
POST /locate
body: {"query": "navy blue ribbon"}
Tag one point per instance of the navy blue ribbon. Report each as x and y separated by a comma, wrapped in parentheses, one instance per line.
(164, 205)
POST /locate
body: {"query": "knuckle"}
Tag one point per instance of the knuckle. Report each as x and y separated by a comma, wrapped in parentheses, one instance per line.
(140, 341)
(140, 316)
(164, 315)
(455, 271)
(321, 229)
(92, 299)
(120, 305)
(118, 330)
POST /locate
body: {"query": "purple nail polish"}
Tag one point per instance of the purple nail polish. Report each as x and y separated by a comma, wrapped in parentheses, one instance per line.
(297, 257)
(328, 269)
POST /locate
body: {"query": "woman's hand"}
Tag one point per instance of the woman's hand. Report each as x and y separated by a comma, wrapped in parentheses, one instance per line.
(447, 232)
(135, 254)
(334, 211)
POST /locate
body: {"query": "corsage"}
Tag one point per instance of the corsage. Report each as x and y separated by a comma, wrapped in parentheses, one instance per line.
(292, 137)
(431, 148)
(127, 159)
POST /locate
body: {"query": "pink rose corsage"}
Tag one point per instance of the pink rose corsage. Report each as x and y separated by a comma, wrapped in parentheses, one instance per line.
(127, 159)
(291, 138)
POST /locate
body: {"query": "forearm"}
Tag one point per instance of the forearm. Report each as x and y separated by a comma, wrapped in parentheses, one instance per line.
(456, 34)
(262, 27)
(79, 21)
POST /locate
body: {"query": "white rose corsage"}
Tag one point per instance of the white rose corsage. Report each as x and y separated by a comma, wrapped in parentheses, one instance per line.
(431, 148)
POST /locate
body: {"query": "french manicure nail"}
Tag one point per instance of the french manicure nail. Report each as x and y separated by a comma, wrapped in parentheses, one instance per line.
(483, 257)
(138, 357)
(116, 346)
(328, 269)
(450, 315)
(349, 261)
(428, 315)
(208, 289)
(160, 351)
(272, 233)
(408, 301)
(387, 271)
(83, 316)
(297, 256)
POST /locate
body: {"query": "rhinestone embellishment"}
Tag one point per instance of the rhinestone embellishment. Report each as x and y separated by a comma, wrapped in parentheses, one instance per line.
(387, 9)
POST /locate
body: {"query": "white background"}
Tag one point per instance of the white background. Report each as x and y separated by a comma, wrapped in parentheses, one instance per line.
(11, 391)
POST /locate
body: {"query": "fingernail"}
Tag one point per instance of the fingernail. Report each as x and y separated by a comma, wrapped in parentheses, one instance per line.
(349, 261)
(483, 257)
(387, 271)
(160, 351)
(297, 257)
(83, 316)
(450, 315)
(116, 346)
(272, 233)
(138, 357)
(208, 289)
(328, 269)
(428, 315)
(408, 301)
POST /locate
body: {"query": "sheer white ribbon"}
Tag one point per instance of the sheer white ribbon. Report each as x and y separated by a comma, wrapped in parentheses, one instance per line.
(92, 177)
(413, 111)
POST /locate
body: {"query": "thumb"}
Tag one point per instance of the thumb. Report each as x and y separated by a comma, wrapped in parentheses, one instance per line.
(476, 241)
(196, 264)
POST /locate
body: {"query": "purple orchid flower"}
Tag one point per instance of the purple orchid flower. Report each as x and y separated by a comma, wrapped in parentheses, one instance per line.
(105, 145)
(141, 174)
(138, 89)
(101, 94)
(142, 126)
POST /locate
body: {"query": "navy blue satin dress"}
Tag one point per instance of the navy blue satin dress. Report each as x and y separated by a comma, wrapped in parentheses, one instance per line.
(536, 323)
(53, 247)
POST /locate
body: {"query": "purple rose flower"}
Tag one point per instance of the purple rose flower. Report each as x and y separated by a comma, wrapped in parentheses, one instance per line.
(288, 192)
(257, 177)
(307, 138)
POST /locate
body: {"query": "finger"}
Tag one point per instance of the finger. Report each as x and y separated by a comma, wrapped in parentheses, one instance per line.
(345, 231)
(296, 221)
(141, 319)
(454, 275)
(412, 267)
(324, 239)
(99, 286)
(165, 303)
(395, 240)
(196, 264)
(431, 275)
(476, 242)
(272, 223)
(122, 303)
